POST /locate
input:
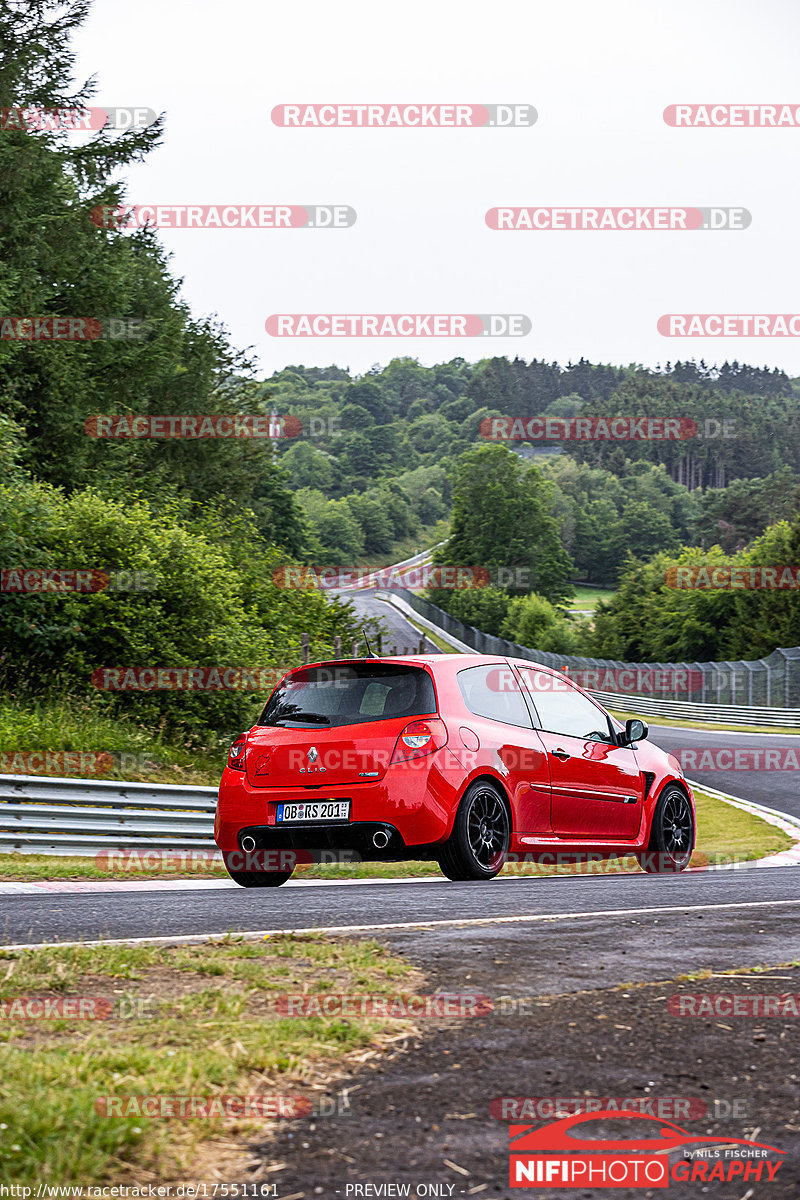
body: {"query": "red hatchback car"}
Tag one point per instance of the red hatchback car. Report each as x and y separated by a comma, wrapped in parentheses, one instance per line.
(467, 759)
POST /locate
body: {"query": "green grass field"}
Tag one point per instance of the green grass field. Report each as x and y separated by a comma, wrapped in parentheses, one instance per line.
(199, 1021)
(587, 598)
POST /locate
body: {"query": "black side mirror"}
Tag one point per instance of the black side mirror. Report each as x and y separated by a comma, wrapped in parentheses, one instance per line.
(635, 731)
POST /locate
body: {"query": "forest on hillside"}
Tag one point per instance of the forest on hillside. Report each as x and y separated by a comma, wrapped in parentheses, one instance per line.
(380, 464)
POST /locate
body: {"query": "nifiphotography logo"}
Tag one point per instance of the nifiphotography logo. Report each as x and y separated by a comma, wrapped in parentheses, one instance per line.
(557, 1156)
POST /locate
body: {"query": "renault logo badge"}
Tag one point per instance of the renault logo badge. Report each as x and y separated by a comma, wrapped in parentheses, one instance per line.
(312, 755)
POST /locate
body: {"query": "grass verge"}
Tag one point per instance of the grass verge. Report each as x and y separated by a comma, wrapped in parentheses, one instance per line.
(185, 1021)
(438, 641)
(724, 834)
(427, 536)
(110, 747)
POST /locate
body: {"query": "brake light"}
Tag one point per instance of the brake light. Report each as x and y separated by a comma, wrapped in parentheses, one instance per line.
(420, 738)
(236, 753)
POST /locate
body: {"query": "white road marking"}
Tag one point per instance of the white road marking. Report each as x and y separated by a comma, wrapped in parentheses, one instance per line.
(251, 935)
(784, 821)
(44, 887)
(49, 887)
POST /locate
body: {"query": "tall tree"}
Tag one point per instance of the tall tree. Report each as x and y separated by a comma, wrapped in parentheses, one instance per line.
(57, 263)
(503, 520)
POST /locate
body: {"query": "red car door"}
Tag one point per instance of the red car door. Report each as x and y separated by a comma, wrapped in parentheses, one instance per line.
(502, 724)
(597, 787)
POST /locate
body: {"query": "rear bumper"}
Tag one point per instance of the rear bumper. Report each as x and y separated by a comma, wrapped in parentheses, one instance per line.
(415, 806)
(353, 841)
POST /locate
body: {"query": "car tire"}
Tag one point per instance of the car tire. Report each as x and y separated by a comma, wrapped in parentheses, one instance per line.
(250, 879)
(478, 846)
(672, 834)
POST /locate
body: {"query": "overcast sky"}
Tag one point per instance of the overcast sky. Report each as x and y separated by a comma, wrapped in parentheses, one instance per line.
(599, 72)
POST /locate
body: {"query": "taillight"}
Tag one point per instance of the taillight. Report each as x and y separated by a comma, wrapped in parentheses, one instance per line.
(236, 753)
(420, 738)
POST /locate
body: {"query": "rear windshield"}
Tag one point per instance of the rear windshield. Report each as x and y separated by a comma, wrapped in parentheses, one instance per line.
(350, 694)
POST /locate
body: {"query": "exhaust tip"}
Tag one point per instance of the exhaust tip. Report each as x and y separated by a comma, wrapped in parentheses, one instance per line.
(248, 844)
(380, 839)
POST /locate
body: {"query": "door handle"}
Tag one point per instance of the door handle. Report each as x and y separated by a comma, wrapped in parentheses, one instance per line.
(562, 754)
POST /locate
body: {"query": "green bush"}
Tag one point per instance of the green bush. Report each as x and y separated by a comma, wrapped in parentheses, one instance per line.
(484, 608)
(213, 603)
(533, 621)
(651, 619)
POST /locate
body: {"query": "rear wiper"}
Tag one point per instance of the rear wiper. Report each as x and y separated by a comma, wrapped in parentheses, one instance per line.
(312, 718)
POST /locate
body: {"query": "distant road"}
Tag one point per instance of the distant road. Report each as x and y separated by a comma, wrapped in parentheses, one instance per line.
(402, 636)
(777, 789)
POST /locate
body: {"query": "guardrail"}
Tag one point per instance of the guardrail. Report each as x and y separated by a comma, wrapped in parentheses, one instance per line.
(685, 710)
(81, 817)
(48, 816)
(652, 706)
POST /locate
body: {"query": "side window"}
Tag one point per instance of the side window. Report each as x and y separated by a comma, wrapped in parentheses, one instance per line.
(563, 709)
(494, 692)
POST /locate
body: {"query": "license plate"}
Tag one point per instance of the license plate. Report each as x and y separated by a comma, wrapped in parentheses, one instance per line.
(314, 810)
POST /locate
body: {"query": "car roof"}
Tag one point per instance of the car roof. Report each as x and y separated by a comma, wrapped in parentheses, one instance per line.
(445, 667)
(459, 661)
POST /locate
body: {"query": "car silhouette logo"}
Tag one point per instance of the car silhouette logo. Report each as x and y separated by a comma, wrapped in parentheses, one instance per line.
(313, 754)
(558, 1136)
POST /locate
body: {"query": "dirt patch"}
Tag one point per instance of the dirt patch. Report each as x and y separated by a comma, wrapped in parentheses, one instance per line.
(421, 1114)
